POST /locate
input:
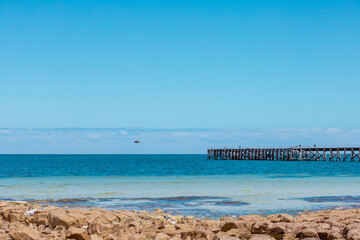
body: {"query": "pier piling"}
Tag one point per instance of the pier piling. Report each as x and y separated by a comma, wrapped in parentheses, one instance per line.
(343, 154)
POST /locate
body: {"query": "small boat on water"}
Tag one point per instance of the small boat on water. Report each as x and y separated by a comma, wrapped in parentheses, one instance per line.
(136, 141)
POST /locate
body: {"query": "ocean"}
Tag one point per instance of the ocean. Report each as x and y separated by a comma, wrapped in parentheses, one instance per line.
(180, 184)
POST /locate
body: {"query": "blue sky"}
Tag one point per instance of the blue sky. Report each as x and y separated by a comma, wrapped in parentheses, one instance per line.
(121, 140)
(179, 64)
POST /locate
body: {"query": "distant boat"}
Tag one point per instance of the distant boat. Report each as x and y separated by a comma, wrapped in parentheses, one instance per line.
(136, 141)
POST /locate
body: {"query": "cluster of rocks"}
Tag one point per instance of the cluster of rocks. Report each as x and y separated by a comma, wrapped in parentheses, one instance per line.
(24, 221)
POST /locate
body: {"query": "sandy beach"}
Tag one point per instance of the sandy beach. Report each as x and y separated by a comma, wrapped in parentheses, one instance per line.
(25, 221)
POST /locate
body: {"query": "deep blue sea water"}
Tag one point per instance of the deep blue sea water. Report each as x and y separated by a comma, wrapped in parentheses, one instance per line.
(180, 184)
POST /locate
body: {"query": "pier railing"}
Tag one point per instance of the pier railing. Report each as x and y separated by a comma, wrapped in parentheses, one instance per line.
(299, 153)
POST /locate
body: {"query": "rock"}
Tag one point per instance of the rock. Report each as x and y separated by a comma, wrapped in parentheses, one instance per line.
(77, 233)
(278, 230)
(110, 237)
(323, 230)
(211, 224)
(280, 218)
(15, 217)
(102, 227)
(335, 236)
(78, 216)
(22, 232)
(239, 233)
(251, 218)
(261, 237)
(190, 218)
(353, 234)
(223, 236)
(151, 215)
(262, 227)
(204, 234)
(53, 223)
(350, 227)
(158, 210)
(237, 224)
(60, 217)
(177, 218)
(162, 236)
(95, 237)
(42, 219)
(309, 234)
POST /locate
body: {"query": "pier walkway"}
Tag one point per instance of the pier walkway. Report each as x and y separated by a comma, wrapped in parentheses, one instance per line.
(342, 154)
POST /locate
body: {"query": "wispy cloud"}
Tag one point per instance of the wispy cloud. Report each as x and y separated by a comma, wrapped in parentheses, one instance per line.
(121, 140)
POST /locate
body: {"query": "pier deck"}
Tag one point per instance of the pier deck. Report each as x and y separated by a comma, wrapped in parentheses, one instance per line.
(342, 154)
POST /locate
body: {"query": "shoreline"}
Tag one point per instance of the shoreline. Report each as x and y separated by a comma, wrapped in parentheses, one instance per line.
(22, 220)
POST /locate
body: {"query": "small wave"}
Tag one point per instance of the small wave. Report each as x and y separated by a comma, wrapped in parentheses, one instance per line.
(349, 199)
(66, 200)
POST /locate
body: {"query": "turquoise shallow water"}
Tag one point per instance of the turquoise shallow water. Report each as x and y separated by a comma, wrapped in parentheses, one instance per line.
(180, 184)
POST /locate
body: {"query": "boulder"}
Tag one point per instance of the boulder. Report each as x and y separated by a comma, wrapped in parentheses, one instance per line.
(60, 217)
(204, 235)
(353, 234)
(262, 227)
(162, 236)
(261, 237)
(234, 224)
(251, 218)
(278, 230)
(224, 236)
(22, 232)
(210, 224)
(77, 233)
(42, 219)
(280, 218)
(308, 234)
(334, 236)
(350, 227)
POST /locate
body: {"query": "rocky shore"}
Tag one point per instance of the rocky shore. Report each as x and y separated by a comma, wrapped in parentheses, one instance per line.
(24, 221)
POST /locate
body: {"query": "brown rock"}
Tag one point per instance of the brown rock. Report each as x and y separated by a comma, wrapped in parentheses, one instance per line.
(80, 218)
(22, 232)
(251, 218)
(15, 217)
(235, 224)
(353, 234)
(335, 236)
(77, 233)
(171, 231)
(261, 237)
(162, 236)
(277, 230)
(111, 237)
(210, 224)
(60, 217)
(42, 219)
(262, 227)
(158, 210)
(350, 227)
(309, 234)
(150, 215)
(223, 236)
(280, 218)
(323, 230)
(103, 228)
(140, 237)
(175, 238)
(239, 233)
(95, 237)
(204, 235)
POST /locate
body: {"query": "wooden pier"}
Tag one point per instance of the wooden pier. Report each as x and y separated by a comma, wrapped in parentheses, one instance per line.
(343, 154)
